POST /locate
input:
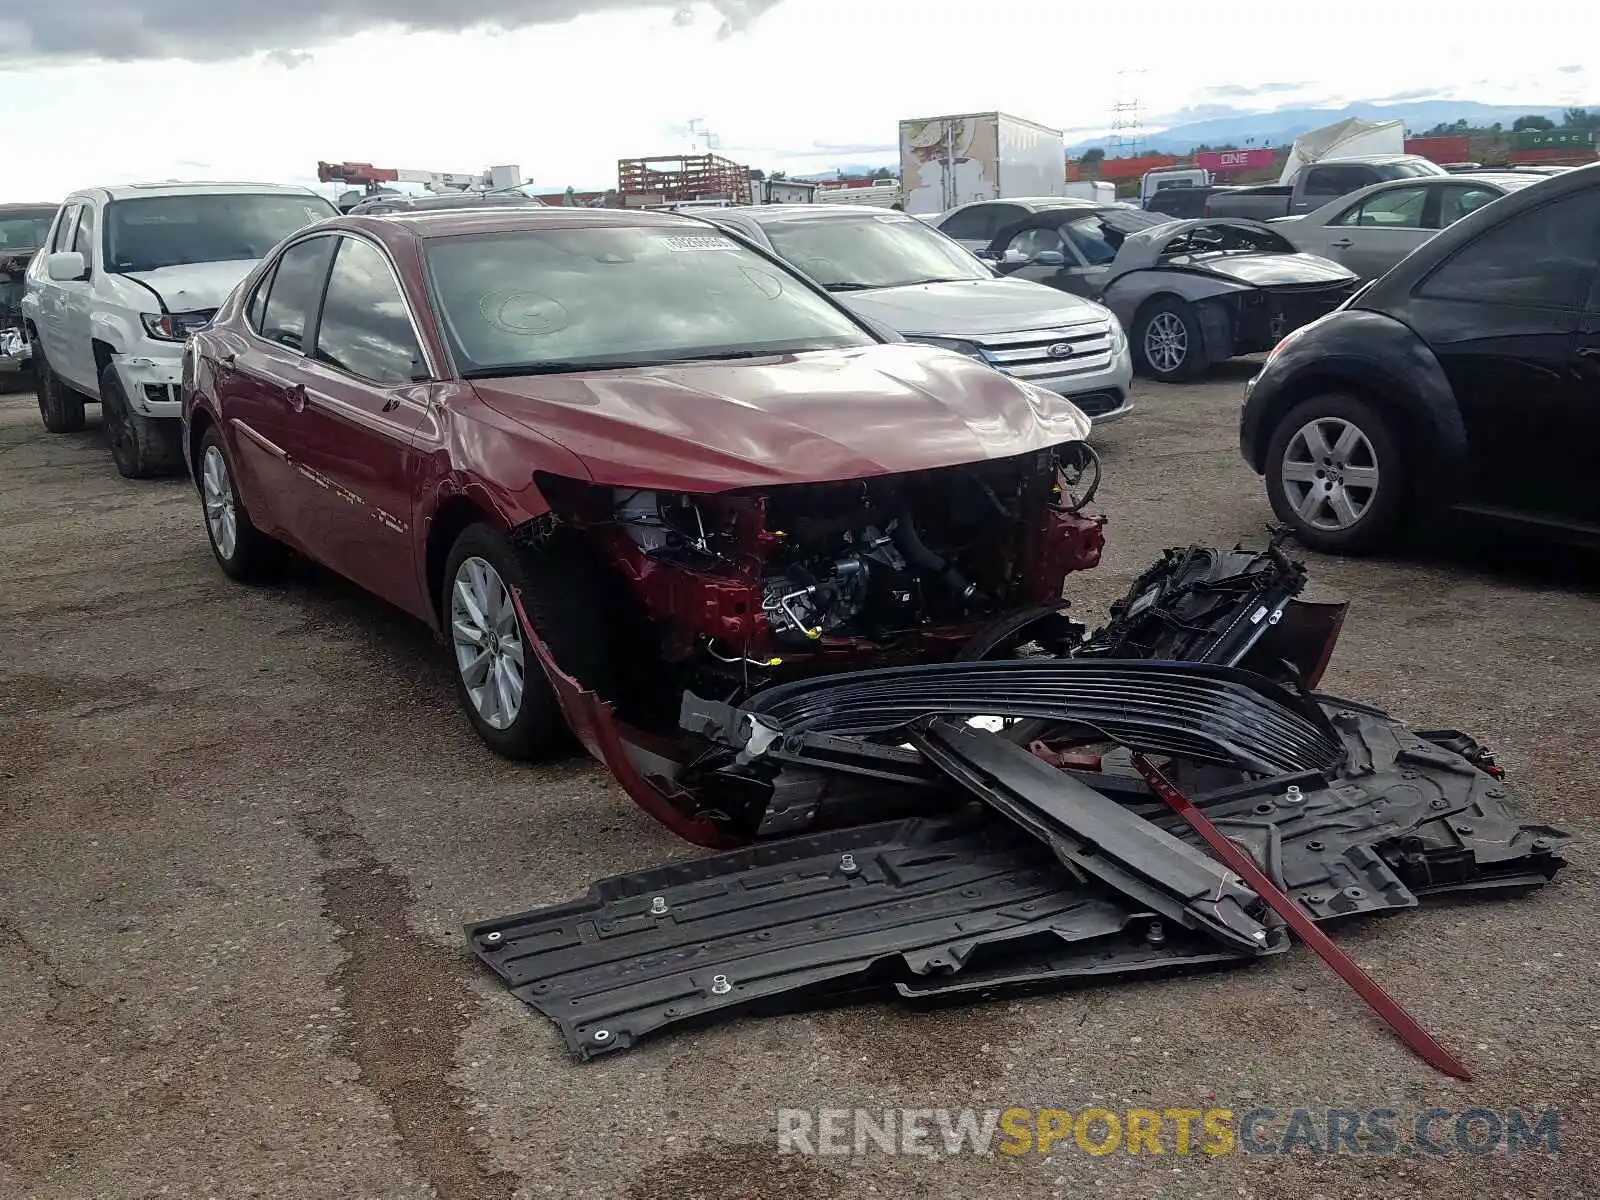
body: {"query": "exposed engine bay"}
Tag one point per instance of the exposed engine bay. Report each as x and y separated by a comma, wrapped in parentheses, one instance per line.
(756, 586)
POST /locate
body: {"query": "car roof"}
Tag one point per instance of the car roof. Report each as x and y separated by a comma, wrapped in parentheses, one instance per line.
(512, 218)
(173, 187)
(22, 210)
(449, 200)
(762, 213)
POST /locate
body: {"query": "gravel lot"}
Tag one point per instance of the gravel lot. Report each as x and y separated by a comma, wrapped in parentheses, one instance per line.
(240, 831)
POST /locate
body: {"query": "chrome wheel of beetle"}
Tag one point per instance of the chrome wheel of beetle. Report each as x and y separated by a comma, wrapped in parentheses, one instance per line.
(1330, 473)
(488, 642)
(1166, 342)
(216, 494)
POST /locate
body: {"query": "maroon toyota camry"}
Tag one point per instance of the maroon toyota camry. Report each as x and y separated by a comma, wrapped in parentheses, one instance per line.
(613, 456)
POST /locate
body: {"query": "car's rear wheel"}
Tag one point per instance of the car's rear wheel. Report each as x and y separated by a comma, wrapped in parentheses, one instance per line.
(60, 408)
(142, 448)
(242, 551)
(1167, 341)
(1335, 474)
(499, 679)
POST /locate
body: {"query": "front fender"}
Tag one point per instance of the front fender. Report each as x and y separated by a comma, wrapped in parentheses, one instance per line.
(1374, 355)
(1126, 294)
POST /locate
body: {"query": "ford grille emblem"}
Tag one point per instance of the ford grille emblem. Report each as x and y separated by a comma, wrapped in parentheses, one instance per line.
(1059, 350)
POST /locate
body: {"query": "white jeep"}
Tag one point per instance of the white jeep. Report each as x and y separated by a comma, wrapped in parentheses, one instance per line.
(127, 274)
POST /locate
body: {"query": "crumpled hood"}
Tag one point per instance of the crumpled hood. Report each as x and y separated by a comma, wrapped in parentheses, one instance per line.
(195, 287)
(849, 414)
(972, 307)
(1267, 270)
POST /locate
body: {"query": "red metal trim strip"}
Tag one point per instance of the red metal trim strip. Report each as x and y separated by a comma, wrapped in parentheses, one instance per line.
(1421, 1042)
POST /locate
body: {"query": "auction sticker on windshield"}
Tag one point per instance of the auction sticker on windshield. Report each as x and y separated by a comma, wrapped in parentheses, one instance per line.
(681, 243)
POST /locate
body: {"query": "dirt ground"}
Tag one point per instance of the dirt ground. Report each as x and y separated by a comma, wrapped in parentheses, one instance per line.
(240, 831)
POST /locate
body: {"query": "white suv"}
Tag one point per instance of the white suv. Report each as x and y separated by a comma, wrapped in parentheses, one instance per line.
(127, 274)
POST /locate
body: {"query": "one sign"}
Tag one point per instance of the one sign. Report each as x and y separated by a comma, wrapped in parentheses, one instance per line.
(1226, 161)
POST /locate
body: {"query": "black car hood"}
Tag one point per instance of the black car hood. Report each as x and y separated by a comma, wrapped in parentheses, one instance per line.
(1265, 270)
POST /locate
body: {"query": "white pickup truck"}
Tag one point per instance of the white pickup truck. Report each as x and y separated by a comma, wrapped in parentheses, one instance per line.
(128, 273)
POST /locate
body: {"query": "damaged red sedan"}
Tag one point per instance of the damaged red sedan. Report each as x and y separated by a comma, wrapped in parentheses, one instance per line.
(687, 467)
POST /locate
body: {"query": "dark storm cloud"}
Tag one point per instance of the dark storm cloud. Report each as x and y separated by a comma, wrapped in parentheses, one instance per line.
(208, 30)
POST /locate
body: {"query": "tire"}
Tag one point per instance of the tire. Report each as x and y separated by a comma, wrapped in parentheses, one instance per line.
(241, 550)
(1161, 321)
(60, 407)
(141, 448)
(561, 597)
(1351, 436)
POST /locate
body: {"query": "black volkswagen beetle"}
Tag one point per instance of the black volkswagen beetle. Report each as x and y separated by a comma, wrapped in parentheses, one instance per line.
(1467, 378)
(1189, 293)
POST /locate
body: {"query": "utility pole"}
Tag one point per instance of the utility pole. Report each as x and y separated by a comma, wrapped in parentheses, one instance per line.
(1127, 122)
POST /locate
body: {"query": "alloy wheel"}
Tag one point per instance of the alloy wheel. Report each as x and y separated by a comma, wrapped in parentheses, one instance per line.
(1330, 474)
(216, 494)
(1166, 342)
(488, 642)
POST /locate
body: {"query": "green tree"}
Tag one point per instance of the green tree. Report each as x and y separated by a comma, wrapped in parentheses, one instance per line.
(1525, 124)
(1580, 118)
(1093, 155)
(882, 173)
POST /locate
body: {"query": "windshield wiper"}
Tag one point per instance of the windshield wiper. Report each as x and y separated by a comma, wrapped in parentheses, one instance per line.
(849, 287)
(937, 279)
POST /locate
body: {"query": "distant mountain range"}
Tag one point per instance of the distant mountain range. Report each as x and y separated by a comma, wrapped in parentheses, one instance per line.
(1283, 126)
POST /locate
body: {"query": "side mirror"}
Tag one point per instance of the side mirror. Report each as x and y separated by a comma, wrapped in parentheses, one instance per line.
(1048, 258)
(66, 266)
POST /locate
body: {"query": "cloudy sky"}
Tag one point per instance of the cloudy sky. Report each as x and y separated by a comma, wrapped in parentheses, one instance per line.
(102, 91)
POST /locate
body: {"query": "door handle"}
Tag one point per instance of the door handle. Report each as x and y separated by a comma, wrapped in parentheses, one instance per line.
(1342, 244)
(1589, 351)
(297, 396)
(227, 358)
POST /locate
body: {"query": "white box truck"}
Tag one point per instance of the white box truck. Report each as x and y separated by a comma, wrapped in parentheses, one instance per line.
(946, 161)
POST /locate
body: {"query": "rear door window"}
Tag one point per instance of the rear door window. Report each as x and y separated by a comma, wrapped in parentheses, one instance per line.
(1457, 200)
(1543, 258)
(365, 328)
(83, 239)
(290, 311)
(65, 228)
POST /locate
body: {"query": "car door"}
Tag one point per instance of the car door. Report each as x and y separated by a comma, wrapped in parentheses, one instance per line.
(1508, 317)
(52, 295)
(260, 389)
(78, 361)
(366, 391)
(1378, 231)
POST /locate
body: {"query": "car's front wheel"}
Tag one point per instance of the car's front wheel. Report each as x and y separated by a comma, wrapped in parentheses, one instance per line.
(499, 679)
(141, 448)
(1167, 341)
(1335, 474)
(60, 407)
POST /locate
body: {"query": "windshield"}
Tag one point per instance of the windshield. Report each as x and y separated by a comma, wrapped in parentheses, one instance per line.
(871, 250)
(169, 231)
(552, 299)
(1227, 239)
(25, 229)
